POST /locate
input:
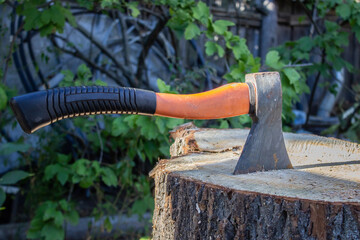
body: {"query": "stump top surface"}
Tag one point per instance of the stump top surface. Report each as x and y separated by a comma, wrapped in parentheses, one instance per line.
(325, 169)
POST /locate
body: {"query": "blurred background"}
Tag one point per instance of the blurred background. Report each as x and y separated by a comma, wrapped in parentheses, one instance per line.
(87, 177)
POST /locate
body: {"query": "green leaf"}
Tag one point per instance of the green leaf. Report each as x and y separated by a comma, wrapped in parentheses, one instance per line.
(98, 82)
(238, 73)
(52, 232)
(119, 127)
(49, 213)
(57, 16)
(107, 224)
(62, 177)
(331, 26)
(163, 87)
(331, 130)
(171, 123)
(58, 218)
(292, 74)
(68, 78)
(165, 150)
(210, 48)
(72, 216)
(86, 182)
(64, 205)
(201, 12)
(11, 147)
(220, 50)
(69, 16)
(55, 215)
(344, 10)
(32, 16)
(84, 73)
(148, 128)
(305, 43)
(33, 233)
(191, 31)
(50, 171)
(45, 16)
(224, 124)
(134, 10)
(108, 3)
(220, 26)
(131, 120)
(80, 166)
(63, 158)
(46, 30)
(2, 196)
(160, 123)
(141, 206)
(109, 177)
(273, 60)
(13, 177)
(240, 48)
(3, 98)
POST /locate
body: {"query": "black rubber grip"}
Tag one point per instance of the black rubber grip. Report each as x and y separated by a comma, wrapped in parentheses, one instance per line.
(38, 109)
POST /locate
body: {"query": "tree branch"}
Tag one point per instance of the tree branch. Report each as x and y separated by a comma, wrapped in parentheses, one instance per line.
(125, 42)
(12, 44)
(104, 50)
(150, 40)
(79, 55)
(310, 16)
(313, 90)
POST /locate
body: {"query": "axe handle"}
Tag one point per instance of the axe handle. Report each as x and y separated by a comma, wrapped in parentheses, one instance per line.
(38, 109)
(226, 101)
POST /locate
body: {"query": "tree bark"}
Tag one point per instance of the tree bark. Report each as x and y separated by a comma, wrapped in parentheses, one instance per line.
(197, 197)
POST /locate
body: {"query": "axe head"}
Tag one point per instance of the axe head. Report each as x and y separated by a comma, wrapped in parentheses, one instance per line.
(264, 148)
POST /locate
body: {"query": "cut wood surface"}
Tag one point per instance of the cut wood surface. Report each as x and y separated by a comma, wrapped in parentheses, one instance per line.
(198, 197)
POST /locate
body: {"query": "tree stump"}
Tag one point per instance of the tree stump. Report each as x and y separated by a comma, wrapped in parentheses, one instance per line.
(197, 197)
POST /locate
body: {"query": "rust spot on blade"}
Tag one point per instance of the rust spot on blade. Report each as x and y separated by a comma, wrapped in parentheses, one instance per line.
(276, 159)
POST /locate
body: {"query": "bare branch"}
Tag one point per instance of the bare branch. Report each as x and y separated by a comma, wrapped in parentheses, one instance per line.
(299, 65)
(104, 50)
(125, 42)
(310, 16)
(8, 56)
(150, 40)
(78, 54)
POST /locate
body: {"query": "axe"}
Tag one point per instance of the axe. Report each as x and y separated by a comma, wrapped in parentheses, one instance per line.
(260, 96)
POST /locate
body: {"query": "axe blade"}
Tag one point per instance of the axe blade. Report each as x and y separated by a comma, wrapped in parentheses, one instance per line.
(264, 148)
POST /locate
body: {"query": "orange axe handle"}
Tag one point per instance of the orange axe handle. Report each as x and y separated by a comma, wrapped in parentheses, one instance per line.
(38, 109)
(226, 101)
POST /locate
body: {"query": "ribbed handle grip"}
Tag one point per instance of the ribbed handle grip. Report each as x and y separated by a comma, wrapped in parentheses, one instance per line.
(38, 109)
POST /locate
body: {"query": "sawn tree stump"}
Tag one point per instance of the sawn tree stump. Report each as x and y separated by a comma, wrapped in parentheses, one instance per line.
(197, 197)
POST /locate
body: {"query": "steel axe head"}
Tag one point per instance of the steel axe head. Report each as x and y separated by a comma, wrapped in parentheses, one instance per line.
(264, 148)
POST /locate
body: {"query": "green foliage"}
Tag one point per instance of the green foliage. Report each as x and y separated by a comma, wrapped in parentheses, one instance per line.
(133, 141)
(49, 219)
(191, 31)
(13, 177)
(328, 43)
(11, 147)
(220, 26)
(46, 20)
(3, 98)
